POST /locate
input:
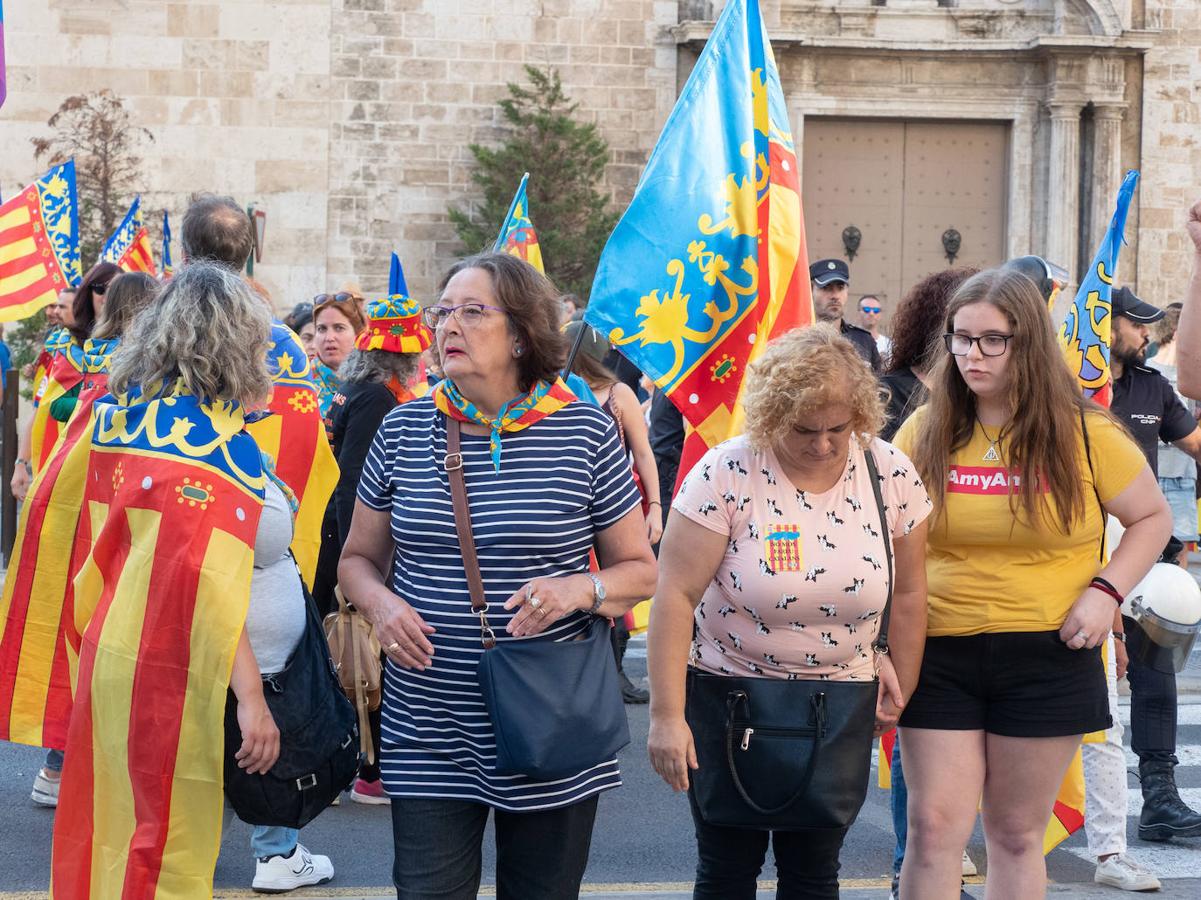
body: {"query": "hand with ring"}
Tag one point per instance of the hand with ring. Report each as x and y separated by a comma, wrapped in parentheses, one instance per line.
(404, 636)
(542, 602)
(1089, 621)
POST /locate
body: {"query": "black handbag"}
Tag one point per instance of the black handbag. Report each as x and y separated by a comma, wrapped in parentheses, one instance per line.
(785, 755)
(318, 738)
(555, 706)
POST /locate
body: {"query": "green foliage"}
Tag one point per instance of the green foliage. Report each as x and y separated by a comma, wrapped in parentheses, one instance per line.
(566, 161)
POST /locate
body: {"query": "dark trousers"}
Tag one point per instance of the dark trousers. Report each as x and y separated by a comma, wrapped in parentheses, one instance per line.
(1152, 704)
(539, 855)
(730, 860)
(326, 578)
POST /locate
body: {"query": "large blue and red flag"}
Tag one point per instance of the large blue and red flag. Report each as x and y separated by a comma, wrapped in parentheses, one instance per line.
(129, 246)
(708, 263)
(517, 236)
(39, 243)
(1086, 330)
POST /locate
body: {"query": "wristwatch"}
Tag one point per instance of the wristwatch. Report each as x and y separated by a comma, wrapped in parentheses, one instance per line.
(598, 593)
(1119, 636)
(25, 463)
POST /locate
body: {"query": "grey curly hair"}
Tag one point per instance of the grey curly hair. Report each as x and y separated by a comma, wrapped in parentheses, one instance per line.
(378, 366)
(208, 328)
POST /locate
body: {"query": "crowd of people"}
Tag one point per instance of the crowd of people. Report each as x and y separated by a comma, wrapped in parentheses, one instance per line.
(910, 534)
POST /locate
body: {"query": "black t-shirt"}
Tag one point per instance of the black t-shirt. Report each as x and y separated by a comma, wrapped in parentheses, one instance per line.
(905, 394)
(1146, 403)
(864, 343)
(356, 414)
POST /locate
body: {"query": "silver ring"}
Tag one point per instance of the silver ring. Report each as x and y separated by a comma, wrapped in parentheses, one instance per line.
(535, 602)
(1083, 635)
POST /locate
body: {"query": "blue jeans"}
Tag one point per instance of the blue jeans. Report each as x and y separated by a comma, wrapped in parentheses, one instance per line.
(900, 808)
(266, 840)
(54, 761)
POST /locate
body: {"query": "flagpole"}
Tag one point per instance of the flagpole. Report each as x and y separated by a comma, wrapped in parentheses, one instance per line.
(575, 347)
(496, 248)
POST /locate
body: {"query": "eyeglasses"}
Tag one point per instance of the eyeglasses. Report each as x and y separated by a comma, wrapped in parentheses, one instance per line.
(989, 344)
(871, 309)
(468, 314)
(340, 297)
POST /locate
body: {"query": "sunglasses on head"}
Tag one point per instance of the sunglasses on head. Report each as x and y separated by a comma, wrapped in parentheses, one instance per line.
(340, 297)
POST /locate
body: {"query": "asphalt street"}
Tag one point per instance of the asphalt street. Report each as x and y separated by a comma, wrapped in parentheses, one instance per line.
(642, 845)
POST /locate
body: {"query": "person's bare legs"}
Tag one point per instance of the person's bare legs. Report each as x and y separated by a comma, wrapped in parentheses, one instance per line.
(1022, 780)
(944, 771)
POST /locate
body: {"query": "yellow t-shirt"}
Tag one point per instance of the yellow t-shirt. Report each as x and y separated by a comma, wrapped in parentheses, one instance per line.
(989, 571)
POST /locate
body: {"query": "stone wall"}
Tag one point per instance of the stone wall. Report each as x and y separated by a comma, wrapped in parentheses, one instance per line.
(235, 93)
(1171, 148)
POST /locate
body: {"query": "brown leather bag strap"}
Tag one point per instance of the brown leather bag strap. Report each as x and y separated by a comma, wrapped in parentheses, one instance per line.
(458, 499)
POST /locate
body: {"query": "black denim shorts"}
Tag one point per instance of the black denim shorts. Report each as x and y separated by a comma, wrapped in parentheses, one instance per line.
(1015, 684)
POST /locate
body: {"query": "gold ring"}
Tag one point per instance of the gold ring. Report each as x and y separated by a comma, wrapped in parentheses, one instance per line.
(540, 612)
(393, 647)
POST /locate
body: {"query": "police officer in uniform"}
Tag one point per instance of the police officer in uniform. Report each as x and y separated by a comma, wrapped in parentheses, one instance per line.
(1148, 405)
(829, 280)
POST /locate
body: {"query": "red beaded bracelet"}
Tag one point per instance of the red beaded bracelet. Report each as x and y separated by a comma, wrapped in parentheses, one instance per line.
(1106, 588)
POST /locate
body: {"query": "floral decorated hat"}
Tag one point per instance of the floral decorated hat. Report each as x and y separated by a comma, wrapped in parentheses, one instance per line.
(394, 324)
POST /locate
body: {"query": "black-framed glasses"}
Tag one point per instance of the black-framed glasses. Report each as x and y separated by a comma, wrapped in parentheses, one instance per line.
(468, 314)
(340, 297)
(989, 344)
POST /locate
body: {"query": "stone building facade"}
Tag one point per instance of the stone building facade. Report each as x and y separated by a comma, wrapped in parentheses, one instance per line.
(348, 120)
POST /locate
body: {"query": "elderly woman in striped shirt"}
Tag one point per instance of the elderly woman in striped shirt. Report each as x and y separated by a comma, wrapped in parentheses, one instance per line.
(547, 480)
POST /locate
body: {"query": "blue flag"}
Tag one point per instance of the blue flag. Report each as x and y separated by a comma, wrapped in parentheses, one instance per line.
(1087, 327)
(168, 268)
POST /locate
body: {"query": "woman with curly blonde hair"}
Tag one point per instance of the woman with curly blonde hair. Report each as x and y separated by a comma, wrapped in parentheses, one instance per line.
(781, 553)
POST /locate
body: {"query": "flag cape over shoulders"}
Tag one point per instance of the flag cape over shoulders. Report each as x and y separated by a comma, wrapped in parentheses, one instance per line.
(174, 491)
(708, 263)
(39, 243)
(66, 371)
(294, 437)
(39, 645)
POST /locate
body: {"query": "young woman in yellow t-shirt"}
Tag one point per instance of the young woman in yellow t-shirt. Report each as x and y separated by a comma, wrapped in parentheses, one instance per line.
(1022, 471)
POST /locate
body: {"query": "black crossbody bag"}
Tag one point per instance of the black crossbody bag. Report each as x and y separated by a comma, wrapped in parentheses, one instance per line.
(786, 755)
(318, 737)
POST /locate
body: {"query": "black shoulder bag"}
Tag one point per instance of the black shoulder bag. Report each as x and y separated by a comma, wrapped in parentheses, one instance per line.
(555, 706)
(318, 738)
(785, 755)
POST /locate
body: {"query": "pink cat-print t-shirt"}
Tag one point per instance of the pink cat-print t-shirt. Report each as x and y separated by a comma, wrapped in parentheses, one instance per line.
(804, 578)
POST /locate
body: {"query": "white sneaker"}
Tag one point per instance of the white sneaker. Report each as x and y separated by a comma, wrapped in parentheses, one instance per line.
(969, 867)
(280, 874)
(1124, 873)
(45, 789)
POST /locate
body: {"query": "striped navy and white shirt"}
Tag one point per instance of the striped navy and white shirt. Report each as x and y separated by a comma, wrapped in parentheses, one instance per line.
(561, 481)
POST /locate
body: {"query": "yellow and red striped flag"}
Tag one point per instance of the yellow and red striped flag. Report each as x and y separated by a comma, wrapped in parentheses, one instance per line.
(39, 243)
(173, 493)
(129, 246)
(294, 437)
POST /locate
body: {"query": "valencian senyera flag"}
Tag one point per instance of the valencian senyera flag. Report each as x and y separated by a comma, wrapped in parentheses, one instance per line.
(39, 243)
(65, 371)
(1086, 330)
(39, 645)
(173, 491)
(293, 435)
(129, 246)
(517, 235)
(168, 268)
(708, 263)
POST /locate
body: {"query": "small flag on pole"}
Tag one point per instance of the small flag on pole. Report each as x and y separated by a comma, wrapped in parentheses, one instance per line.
(39, 243)
(168, 269)
(517, 235)
(129, 246)
(1086, 331)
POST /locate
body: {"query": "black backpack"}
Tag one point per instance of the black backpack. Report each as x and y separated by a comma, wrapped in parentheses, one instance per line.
(318, 738)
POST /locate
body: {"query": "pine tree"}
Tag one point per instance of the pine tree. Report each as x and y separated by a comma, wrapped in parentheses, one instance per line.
(566, 160)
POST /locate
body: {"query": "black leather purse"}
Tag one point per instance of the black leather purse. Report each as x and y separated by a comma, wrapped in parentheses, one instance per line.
(318, 738)
(785, 755)
(555, 706)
